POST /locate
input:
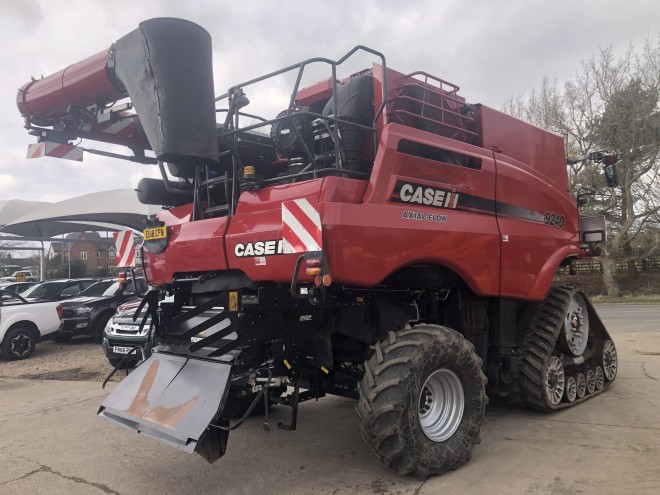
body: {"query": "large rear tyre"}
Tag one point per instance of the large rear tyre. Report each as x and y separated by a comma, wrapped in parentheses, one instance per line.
(422, 400)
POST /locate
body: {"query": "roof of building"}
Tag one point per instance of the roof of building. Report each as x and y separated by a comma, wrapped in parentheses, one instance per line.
(108, 245)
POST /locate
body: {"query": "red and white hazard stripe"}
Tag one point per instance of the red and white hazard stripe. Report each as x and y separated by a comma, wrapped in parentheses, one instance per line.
(120, 128)
(301, 226)
(125, 248)
(55, 150)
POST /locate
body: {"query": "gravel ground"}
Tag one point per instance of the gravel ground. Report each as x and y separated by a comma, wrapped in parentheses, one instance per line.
(80, 359)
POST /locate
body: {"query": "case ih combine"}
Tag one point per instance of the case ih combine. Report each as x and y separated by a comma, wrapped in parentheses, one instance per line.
(380, 238)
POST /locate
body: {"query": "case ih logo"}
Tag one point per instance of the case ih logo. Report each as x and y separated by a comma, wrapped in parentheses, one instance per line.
(407, 192)
(259, 248)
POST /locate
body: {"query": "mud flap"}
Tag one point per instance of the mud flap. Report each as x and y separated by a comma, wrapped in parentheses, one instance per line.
(173, 399)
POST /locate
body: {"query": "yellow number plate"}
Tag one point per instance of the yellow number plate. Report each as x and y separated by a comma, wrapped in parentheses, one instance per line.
(155, 233)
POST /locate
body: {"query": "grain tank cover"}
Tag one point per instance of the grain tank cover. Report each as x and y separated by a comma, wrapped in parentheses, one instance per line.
(166, 68)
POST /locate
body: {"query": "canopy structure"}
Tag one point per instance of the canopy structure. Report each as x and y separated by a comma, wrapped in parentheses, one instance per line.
(114, 210)
(44, 229)
(16, 208)
(97, 211)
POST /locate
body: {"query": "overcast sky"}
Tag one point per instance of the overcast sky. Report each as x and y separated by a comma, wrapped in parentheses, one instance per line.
(491, 49)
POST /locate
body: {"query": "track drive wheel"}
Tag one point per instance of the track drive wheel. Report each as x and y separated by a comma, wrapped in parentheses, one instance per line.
(422, 400)
(574, 333)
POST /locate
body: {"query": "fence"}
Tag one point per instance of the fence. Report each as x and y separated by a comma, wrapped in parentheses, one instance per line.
(651, 264)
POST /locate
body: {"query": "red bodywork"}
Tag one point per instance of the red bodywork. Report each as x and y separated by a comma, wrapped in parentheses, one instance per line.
(81, 84)
(503, 250)
(514, 224)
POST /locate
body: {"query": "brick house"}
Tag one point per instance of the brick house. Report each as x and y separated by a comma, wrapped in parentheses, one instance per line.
(97, 256)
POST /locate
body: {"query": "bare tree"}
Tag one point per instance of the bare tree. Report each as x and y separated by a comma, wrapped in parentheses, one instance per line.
(613, 103)
(6, 246)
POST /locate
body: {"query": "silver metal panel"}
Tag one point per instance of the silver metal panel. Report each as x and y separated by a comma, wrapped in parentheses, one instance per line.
(170, 398)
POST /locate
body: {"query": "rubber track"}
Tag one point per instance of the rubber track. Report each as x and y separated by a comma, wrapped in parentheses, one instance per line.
(537, 343)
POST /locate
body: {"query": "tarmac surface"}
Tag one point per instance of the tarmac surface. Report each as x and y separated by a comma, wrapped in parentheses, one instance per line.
(53, 443)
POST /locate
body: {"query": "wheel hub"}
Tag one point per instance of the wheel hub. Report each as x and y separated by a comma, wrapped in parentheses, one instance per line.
(441, 404)
(425, 400)
(576, 326)
(20, 345)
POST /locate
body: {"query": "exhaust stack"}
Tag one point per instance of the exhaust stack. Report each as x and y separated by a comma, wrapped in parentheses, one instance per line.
(164, 67)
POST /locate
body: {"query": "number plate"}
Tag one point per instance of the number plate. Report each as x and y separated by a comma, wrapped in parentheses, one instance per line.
(155, 233)
(128, 328)
(121, 350)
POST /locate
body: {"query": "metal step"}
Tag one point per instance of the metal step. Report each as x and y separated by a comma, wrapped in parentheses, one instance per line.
(216, 209)
(213, 181)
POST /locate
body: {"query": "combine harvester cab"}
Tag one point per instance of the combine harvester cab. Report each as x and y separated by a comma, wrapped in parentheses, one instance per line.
(384, 241)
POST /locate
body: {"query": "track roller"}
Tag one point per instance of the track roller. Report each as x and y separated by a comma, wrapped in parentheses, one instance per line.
(570, 391)
(581, 382)
(591, 381)
(605, 355)
(600, 378)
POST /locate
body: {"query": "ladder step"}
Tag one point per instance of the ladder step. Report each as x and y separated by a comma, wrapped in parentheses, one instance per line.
(215, 209)
(215, 180)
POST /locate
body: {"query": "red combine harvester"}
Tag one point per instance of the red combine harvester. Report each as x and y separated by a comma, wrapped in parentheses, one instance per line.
(380, 239)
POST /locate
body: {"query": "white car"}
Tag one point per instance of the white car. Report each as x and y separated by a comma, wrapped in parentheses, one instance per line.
(23, 324)
(23, 275)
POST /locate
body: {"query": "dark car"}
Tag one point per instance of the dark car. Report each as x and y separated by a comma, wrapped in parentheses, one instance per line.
(122, 334)
(57, 290)
(88, 313)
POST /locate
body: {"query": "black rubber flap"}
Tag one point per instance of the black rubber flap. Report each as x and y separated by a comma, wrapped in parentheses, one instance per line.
(166, 67)
(170, 398)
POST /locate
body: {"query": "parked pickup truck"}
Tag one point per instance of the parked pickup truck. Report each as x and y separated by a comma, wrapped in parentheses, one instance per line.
(23, 324)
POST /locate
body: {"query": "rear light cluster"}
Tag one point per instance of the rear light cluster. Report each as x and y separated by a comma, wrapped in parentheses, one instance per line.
(314, 269)
(59, 311)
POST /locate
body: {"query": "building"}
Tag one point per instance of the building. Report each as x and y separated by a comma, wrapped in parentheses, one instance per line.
(98, 255)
